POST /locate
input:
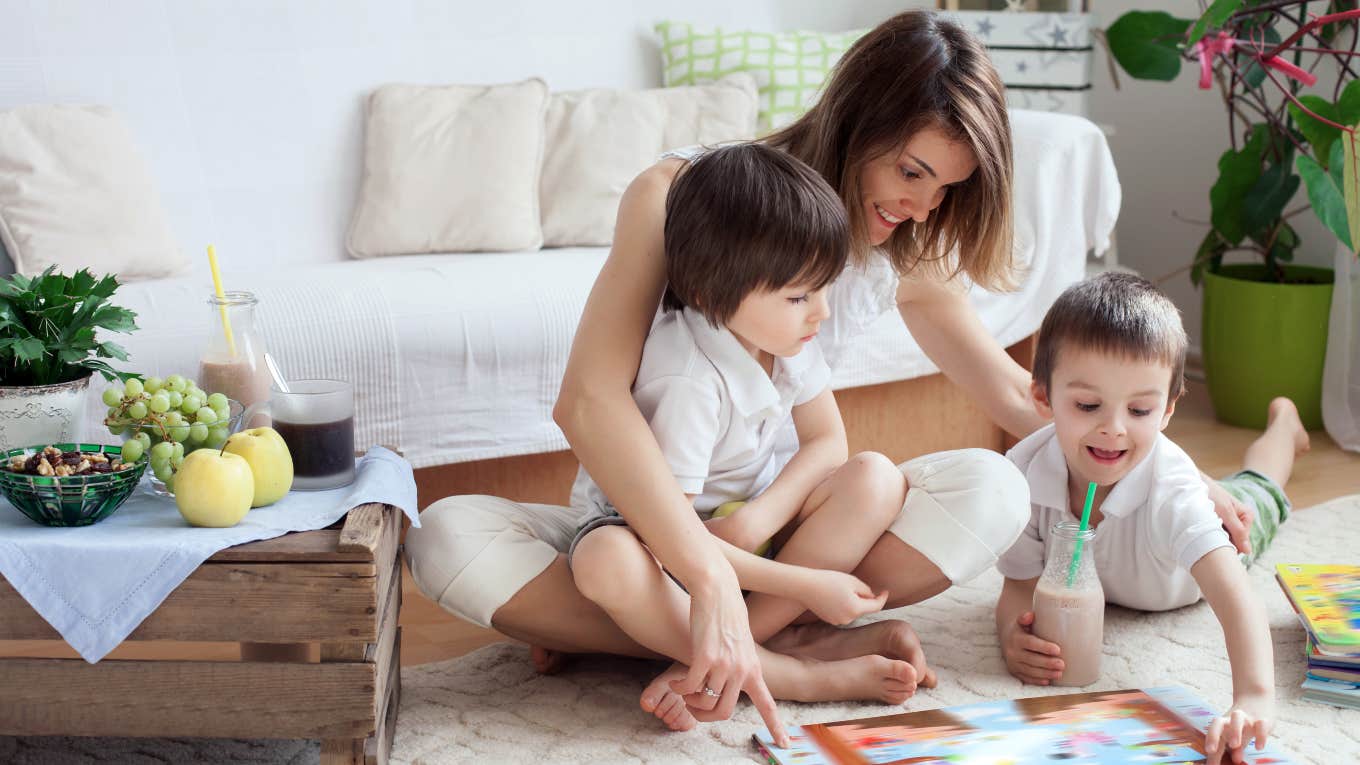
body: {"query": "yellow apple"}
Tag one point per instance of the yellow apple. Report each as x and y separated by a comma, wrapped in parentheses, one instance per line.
(270, 463)
(213, 488)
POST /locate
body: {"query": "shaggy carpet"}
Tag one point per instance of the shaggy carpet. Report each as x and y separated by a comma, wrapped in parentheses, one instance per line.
(491, 707)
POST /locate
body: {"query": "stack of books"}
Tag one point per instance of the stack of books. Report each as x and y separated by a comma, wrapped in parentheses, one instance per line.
(1327, 600)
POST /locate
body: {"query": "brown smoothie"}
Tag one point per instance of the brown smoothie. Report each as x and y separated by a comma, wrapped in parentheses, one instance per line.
(244, 378)
(1075, 620)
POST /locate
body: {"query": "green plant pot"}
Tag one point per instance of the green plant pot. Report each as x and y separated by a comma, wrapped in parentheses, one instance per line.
(1264, 339)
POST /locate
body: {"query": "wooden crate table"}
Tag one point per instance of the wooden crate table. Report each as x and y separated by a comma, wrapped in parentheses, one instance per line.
(339, 588)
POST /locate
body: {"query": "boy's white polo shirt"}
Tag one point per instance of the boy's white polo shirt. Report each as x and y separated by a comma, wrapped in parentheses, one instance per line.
(715, 413)
(1158, 522)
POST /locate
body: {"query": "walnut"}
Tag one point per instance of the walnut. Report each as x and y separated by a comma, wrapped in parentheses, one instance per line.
(63, 470)
(44, 468)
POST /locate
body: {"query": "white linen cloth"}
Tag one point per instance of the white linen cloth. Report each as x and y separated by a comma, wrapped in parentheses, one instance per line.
(95, 584)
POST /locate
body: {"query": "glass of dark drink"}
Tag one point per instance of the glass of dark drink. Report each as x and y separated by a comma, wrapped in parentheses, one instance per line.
(316, 420)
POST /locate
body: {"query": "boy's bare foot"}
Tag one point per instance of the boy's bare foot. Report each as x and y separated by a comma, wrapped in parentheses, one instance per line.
(546, 661)
(864, 678)
(892, 638)
(668, 706)
(1283, 412)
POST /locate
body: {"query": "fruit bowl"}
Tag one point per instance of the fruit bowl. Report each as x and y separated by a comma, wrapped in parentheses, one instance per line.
(214, 436)
(77, 500)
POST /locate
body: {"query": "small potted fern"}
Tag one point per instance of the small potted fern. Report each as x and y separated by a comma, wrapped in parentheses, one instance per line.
(49, 349)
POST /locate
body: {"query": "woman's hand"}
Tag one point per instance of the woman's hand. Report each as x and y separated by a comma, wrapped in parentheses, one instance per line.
(725, 662)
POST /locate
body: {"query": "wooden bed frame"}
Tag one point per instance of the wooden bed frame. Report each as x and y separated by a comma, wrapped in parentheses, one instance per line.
(928, 414)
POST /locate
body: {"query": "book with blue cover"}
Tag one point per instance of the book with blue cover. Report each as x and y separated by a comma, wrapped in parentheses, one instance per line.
(1154, 725)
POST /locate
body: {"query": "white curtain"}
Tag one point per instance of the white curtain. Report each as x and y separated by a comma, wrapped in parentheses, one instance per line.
(1341, 377)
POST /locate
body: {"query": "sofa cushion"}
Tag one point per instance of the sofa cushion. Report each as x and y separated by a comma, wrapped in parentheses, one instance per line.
(788, 67)
(452, 168)
(599, 140)
(76, 193)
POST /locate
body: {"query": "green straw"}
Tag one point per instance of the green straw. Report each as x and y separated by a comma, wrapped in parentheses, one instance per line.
(1085, 521)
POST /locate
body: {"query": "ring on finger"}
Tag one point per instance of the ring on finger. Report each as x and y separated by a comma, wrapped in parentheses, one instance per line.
(710, 692)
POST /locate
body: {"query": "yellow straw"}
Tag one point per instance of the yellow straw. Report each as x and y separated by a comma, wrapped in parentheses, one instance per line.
(221, 299)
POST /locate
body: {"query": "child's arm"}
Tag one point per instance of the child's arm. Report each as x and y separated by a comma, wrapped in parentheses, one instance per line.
(834, 596)
(822, 447)
(1031, 659)
(1225, 585)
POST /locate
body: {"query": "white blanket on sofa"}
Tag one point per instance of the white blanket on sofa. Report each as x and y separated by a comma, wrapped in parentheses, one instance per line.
(459, 357)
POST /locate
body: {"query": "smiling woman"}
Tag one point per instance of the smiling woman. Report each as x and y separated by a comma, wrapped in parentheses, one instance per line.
(912, 135)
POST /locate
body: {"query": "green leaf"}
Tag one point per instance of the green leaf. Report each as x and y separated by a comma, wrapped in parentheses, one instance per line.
(1350, 192)
(81, 283)
(108, 372)
(113, 351)
(1213, 18)
(1145, 43)
(1319, 134)
(29, 349)
(1325, 191)
(114, 318)
(1262, 206)
(1238, 172)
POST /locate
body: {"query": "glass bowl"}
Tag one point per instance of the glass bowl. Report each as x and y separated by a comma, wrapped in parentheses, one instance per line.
(157, 433)
(77, 500)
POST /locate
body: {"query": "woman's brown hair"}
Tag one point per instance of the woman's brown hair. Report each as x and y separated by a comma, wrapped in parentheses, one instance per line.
(916, 71)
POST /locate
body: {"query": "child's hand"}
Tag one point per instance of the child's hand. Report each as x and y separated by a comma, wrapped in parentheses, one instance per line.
(1237, 518)
(839, 598)
(1250, 717)
(1031, 659)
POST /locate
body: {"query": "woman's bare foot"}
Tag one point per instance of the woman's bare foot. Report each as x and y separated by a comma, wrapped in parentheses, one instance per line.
(546, 661)
(892, 638)
(668, 706)
(1283, 412)
(863, 678)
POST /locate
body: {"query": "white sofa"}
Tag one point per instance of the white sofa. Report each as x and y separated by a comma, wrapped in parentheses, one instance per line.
(250, 117)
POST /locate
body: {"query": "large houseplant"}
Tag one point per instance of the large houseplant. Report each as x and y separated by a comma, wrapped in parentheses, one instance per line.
(1265, 321)
(49, 348)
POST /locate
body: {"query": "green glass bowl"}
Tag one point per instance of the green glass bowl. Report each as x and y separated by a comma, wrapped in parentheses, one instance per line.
(77, 500)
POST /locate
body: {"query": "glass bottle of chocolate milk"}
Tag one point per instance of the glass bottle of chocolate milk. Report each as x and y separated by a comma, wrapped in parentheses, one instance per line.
(1070, 609)
(232, 362)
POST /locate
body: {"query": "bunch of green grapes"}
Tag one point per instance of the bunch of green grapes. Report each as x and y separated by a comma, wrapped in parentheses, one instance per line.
(165, 419)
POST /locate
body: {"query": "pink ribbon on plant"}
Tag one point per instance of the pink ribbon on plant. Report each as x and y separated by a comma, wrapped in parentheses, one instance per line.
(1208, 47)
(1222, 44)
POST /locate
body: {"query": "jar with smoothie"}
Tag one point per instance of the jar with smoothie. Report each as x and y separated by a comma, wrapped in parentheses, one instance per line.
(1069, 605)
(232, 362)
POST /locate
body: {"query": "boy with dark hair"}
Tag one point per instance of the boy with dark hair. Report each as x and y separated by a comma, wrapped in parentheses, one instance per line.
(1108, 370)
(752, 238)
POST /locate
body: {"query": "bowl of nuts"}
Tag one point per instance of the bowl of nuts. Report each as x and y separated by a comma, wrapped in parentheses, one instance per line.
(68, 484)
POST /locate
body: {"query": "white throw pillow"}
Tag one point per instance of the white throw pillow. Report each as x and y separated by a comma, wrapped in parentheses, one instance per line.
(75, 193)
(599, 140)
(450, 168)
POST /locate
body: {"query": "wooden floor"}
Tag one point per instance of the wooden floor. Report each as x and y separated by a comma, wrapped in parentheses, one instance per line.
(430, 634)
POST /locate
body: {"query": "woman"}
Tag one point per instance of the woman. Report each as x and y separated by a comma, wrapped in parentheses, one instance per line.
(912, 132)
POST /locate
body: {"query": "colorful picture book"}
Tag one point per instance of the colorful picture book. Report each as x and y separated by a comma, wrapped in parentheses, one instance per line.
(1155, 725)
(1327, 599)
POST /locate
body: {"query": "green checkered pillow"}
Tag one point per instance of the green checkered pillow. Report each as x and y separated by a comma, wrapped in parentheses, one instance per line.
(789, 67)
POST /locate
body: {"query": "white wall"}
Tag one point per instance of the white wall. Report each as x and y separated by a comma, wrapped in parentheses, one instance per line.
(1167, 140)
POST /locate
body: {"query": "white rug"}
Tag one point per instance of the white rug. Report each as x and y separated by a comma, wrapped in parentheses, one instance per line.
(490, 706)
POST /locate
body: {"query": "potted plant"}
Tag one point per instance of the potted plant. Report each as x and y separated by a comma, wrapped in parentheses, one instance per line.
(1265, 321)
(49, 350)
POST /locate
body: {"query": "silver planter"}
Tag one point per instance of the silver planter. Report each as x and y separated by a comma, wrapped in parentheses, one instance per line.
(43, 414)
